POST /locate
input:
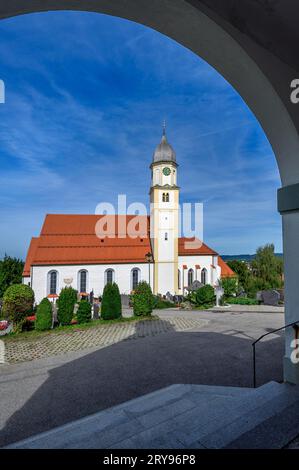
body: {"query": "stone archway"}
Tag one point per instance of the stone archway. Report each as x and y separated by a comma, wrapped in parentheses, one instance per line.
(258, 58)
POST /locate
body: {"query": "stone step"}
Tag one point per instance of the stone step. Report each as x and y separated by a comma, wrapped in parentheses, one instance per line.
(211, 412)
(266, 407)
(178, 416)
(273, 433)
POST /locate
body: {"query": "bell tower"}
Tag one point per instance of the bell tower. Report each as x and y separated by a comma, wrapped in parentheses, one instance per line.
(164, 217)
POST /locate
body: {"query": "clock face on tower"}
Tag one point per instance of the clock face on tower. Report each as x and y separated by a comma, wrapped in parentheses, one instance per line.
(166, 171)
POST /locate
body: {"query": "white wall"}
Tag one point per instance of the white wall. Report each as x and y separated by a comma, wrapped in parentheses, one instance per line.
(26, 280)
(213, 275)
(95, 278)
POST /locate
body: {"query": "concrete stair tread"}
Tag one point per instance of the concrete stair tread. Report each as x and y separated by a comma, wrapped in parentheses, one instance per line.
(178, 416)
(250, 417)
(273, 433)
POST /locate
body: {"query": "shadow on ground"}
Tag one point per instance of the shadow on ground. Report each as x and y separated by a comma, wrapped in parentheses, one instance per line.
(131, 368)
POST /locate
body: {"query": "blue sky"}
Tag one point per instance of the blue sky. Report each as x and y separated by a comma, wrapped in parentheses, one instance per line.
(86, 95)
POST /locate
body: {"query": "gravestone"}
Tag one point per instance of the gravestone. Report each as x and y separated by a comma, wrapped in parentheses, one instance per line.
(259, 296)
(169, 297)
(125, 300)
(96, 309)
(195, 285)
(178, 299)
(271, 297)
(281, 293)
(242, 294)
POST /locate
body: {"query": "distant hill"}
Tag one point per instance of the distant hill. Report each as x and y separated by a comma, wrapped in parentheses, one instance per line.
(244, 257)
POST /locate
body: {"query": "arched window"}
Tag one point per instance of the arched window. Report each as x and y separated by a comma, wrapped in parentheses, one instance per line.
(109, 276)
(204, 276)
(135, 273)
(179, 279)
(190, 277)
(165, 197)
(52, 282)
(157, 179)
(82, 281)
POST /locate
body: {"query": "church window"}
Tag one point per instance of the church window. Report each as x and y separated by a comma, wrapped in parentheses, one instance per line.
(204, 276)
(53, 282)
(157, 177)
(83, 281)
(135, 277)
(190, 277)
(109, 276)
(165, 197)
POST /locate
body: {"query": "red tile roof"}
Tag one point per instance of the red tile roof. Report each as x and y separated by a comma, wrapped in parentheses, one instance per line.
(226, 271)
(71, 239)
(30, 256)
(193, 246)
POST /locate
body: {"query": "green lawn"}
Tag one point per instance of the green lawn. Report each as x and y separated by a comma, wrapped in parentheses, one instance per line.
(32, 335)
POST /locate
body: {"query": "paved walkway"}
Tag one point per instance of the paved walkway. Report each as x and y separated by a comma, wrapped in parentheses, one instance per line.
(100, 336)
(39, 395)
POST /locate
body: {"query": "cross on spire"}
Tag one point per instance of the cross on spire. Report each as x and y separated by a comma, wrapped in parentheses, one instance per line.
(164, 127)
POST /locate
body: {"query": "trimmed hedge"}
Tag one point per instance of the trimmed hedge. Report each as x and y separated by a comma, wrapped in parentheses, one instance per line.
(111, 302)
(84, 312)
(242, 301)
(18, 302)
(159, 303)
(44, 316)
(142, 299)
(66, 303)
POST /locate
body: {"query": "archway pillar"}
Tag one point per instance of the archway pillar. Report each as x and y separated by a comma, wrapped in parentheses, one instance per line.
(288, 206)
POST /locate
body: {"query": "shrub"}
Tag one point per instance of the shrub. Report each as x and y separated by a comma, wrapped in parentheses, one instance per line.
(205, 296)
(44, 316)
(17, 304)
(143, 299)
(111, 302)
(66, 303)
(84, 312)
(229, 285)
(242, 301)
(162, 303)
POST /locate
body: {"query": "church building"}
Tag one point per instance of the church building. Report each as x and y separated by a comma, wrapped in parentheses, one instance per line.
(71, 251)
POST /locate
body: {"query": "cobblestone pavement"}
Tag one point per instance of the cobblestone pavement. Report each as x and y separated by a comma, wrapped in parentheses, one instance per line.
(100, 336)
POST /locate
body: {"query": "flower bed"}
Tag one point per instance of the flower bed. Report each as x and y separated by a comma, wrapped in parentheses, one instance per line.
(5, 327)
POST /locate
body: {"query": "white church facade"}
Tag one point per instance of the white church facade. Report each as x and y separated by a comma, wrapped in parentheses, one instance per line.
(70, 250)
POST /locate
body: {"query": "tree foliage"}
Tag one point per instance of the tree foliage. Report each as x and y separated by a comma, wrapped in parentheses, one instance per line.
(111, 302)
(264, 272)
(66, 303)
(44, 315)
(142, 299)
(18, 302)
(230, 286)
(10, 272)
(84, 312)
(267, 268)
(205, 296)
